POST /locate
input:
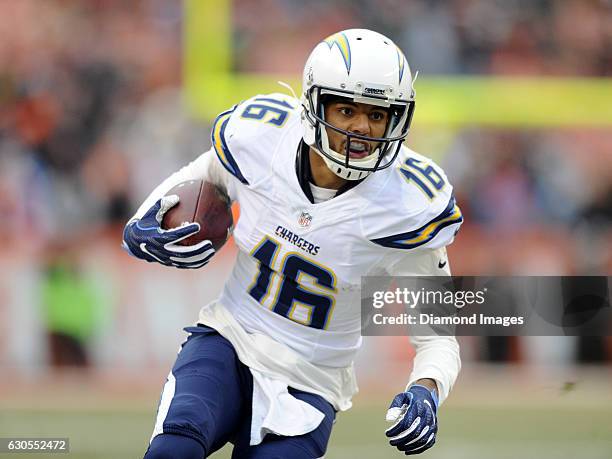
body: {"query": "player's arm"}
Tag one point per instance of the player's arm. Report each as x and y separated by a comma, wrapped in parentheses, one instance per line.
(437, 357)
(436, 366)
(143, 236)
(237, 137)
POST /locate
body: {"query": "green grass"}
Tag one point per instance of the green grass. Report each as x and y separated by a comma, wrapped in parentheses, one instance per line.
(542, 431)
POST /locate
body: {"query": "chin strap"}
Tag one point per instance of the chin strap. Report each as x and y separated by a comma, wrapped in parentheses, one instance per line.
(304, 173)
(302, 169)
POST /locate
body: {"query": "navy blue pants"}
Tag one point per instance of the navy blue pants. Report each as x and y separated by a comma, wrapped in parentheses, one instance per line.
(209, 404)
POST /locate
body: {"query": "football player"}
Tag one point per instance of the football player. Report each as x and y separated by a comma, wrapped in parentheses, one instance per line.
(328, 193)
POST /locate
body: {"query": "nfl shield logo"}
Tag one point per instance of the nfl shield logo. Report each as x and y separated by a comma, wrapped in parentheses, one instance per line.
(305, 219)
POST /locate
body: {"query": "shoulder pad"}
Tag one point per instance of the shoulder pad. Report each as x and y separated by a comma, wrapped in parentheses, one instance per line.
(244, 136)
(424, 213)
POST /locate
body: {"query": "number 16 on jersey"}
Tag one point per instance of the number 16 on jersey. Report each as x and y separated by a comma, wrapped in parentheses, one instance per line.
(288, 296)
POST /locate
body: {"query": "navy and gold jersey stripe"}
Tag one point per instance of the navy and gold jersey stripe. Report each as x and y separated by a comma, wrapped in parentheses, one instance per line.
(220, 145)
(449, 216)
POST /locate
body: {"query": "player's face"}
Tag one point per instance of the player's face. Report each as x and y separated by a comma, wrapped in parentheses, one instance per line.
(358, 118)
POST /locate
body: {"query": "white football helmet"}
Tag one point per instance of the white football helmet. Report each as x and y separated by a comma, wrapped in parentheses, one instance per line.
(365, 67)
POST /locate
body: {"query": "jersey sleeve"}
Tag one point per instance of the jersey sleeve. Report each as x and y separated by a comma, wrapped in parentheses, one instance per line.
(435, 233)
(432, 262)
(245, 137)
(437, 358)
(418, 209)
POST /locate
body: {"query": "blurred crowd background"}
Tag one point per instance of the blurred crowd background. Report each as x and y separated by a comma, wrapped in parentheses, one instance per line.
(92, 119)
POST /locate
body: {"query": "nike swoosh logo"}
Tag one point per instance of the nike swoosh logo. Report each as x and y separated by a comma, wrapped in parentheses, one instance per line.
(143, 247)
(442, 264)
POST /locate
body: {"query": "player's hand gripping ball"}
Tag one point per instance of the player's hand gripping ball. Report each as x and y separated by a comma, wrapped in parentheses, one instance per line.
(187, 237)
(414, 414)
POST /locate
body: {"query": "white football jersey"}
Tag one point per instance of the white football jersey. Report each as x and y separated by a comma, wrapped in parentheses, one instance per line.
(298, 271)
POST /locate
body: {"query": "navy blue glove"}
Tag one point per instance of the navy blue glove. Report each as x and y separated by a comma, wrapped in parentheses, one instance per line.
(414, 414)
(146, 239)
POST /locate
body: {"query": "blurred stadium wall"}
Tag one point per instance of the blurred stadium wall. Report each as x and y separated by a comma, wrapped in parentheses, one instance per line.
(102, 99)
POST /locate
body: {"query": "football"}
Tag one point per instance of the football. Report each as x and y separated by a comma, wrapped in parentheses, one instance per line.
(204, 203)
